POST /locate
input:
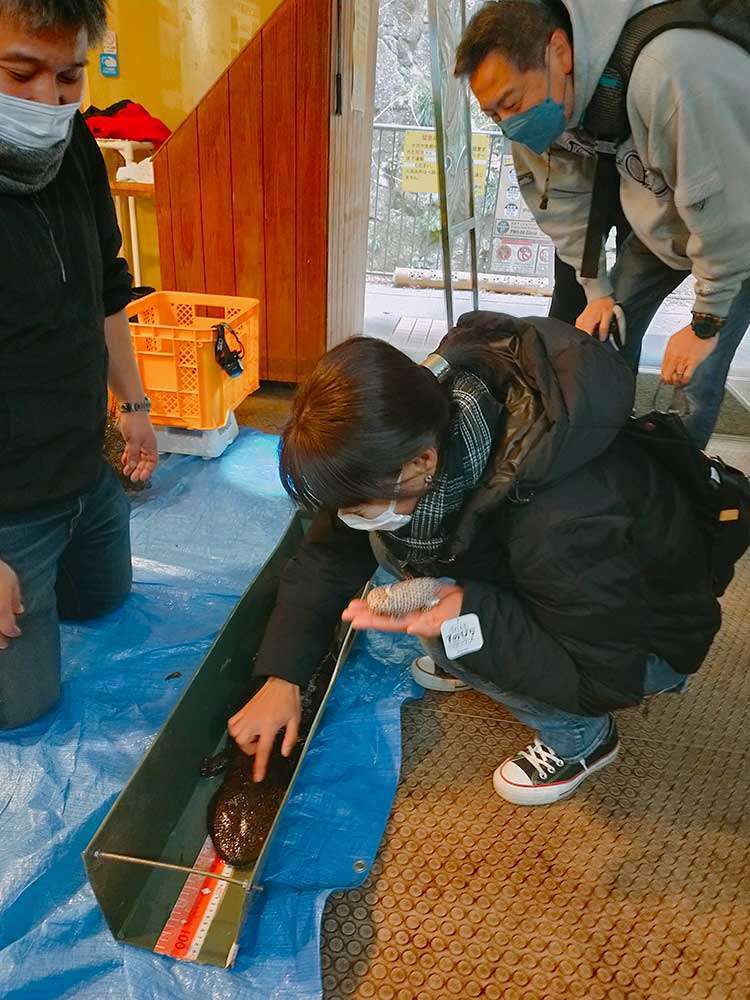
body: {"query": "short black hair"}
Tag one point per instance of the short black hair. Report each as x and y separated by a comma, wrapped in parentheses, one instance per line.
(41, 15)
(519, 30)
(364, 412)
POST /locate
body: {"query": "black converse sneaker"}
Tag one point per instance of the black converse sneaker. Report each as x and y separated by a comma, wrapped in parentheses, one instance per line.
(537, 776)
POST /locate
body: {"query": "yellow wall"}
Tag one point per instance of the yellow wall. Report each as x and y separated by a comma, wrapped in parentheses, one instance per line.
(170, 52)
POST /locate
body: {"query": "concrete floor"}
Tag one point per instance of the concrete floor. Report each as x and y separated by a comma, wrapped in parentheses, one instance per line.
(413, 319)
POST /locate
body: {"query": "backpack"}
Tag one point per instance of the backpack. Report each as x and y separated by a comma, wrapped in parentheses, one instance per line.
(719, 494)
(606, 117)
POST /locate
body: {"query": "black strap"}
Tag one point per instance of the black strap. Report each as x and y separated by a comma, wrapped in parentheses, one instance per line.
(604, 199)
(606, 116)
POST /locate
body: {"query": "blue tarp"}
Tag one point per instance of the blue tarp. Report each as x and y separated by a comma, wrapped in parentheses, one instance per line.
(199, 536)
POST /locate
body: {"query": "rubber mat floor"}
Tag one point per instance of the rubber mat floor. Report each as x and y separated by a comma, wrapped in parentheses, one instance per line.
(637, 887)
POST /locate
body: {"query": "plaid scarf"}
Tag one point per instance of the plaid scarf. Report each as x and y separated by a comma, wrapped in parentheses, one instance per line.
(462, 462)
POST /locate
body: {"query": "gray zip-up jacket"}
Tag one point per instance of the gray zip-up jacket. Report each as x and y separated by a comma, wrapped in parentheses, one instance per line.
(685, 170)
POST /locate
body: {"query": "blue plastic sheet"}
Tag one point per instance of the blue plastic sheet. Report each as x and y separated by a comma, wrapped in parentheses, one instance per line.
(199, 535)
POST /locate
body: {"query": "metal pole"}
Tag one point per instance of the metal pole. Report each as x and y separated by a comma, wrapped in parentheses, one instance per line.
(377, 186)
(244, 884)
(493, 221)
(470, 168)
(135, 245)
(391, 183)
(437, 99)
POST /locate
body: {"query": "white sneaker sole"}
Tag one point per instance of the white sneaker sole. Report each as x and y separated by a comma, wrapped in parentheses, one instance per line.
(545, 795)
(431, 681)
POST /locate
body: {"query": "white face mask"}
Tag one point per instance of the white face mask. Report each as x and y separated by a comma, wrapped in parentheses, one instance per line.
(31, 125)
(387, 520)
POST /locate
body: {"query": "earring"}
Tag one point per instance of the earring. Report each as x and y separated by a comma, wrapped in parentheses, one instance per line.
(429, 479)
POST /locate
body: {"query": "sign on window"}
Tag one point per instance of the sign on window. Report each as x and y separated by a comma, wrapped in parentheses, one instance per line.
(419, 163)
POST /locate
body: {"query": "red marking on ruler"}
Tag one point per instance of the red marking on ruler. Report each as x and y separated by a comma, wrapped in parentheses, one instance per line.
(196, 906)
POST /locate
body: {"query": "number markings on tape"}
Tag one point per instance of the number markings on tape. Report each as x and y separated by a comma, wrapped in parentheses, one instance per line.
(192, 915)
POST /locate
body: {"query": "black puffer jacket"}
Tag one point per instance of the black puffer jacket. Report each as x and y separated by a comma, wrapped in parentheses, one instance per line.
(578, 553)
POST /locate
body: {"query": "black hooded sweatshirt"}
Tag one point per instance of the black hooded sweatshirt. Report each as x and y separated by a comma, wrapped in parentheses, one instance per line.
(60, 276)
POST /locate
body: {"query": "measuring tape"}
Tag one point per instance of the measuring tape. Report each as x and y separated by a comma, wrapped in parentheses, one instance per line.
(192, 915)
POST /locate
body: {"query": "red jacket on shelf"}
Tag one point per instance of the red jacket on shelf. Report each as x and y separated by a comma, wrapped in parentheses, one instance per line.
(126, 120)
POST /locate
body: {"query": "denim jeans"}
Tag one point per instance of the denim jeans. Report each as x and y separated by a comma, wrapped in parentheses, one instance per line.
(568, 296)
(72, 560)
(641, 283)
(570, 736)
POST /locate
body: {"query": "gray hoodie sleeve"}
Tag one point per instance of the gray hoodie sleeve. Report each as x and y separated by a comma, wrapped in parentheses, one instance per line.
(565, 219)
(687, 104)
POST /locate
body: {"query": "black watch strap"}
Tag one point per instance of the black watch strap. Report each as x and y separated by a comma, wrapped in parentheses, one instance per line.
(143, 406)
(706, 326)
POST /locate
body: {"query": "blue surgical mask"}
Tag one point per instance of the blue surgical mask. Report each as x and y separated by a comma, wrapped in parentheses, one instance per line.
(538, 126)
(31, 125)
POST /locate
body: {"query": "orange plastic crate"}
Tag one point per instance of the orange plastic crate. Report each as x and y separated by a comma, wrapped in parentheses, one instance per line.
(174, 346)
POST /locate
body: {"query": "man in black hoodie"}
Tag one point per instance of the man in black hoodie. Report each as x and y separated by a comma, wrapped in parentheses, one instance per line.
(64, 337)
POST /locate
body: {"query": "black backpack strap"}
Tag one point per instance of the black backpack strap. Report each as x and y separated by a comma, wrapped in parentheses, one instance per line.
(606, 192)
(606, 117)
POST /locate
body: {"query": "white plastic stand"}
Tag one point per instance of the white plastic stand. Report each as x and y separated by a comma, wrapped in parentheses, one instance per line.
(127, 149)
(207, 444)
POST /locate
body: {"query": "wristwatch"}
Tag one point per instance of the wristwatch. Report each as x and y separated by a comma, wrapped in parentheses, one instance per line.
(143, 407)
(706, 326)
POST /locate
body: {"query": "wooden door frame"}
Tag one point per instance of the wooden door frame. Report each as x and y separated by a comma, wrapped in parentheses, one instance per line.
(349, 181)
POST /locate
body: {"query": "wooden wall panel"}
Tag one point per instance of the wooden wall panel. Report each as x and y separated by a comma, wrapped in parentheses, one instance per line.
(163, 206)
(185, 197)
(242, 188)
(246, 129)
(279, 160)
(313, 113)
(215, 167)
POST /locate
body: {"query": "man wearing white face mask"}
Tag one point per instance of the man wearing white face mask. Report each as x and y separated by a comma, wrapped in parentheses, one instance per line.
(64, 337)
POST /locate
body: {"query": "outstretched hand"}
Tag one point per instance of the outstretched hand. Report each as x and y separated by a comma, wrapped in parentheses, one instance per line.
(423, 624)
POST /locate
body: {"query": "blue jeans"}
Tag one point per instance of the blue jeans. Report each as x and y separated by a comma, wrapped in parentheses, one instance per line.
(642, 282)
(570, 736)
(72, 560)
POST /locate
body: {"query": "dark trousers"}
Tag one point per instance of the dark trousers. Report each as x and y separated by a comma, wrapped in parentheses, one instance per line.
(568, 298)
(72, 560)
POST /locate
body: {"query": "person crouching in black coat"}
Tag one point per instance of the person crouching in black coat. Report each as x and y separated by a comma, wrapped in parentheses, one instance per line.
(576, 579)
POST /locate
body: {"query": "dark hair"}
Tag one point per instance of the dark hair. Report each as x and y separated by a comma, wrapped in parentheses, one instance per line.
(40, 15)
(364, 412)
(519, 30)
